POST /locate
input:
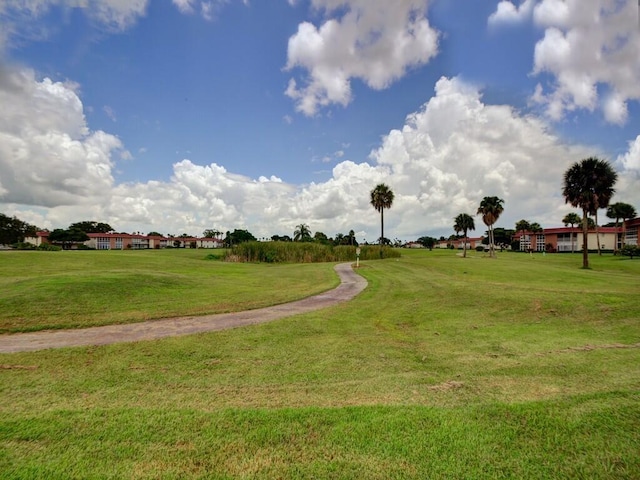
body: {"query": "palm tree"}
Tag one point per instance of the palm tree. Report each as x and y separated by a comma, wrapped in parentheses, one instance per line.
(302, 233)
(572, 219)
(491, 208)
(522, 226)
(535, 228)
(381, 198)
(464, 223)
(617, 211)
(588, 184)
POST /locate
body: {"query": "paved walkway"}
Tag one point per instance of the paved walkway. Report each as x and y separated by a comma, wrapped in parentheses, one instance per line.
(351, 284)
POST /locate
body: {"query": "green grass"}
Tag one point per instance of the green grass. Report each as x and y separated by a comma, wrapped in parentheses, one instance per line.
(443, 367)
(72, 289)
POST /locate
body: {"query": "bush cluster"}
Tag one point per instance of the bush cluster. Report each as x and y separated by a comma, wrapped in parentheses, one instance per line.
(30, 246)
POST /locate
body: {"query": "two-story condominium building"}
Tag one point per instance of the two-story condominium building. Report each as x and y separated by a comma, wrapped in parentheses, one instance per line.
(472, 243)
(128, 241)
(569, 239)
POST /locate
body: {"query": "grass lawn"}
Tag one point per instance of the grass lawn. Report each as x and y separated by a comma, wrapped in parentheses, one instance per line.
(444, 367)
(74, 289)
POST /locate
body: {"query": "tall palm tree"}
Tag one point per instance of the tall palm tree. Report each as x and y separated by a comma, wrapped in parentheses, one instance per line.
(617, 211)
(491, 208)
(572, 219)
(302, 233)
(522, 226)
(381, 198)
(464, 223)
(588, 184)
(535, 228)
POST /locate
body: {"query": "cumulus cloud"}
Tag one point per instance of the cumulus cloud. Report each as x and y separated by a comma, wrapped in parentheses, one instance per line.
(375, 41)
(48, 156)
(456, 149)
(631, 159)
(507, 13)
(590, 50)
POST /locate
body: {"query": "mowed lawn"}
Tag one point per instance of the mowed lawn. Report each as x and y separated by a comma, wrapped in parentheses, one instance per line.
(74, 289)
(444, 367)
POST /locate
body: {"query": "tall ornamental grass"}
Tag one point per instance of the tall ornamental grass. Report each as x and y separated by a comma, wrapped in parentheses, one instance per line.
(303, 252)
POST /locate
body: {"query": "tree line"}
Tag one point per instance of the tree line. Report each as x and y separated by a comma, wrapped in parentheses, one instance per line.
(588, 184)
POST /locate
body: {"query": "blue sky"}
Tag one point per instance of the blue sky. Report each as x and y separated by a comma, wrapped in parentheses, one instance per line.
(179, 116)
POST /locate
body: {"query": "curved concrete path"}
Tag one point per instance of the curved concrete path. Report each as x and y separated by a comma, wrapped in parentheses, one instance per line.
(351, 284)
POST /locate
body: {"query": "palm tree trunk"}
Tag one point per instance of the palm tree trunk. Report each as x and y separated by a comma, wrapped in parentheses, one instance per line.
(492, 252)
(598, 233)
(381, 230)
(573, 240)
(615, 243)
(585, 236)
(464, 247)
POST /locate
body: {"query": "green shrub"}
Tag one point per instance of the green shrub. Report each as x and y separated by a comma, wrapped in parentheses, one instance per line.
(630, 251)
(48, 247)
(24, 246)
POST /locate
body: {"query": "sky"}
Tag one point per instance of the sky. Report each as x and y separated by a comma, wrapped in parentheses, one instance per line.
(178, 116)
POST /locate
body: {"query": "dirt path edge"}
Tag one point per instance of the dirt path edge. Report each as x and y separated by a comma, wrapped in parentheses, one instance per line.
(351, 284)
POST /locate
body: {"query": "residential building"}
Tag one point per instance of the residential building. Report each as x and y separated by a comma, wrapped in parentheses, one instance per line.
(567, 239)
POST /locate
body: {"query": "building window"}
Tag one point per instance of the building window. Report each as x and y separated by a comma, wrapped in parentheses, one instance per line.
(119, 243)
(631, 238)
(540, 246)
(525, 243)
(103, 243)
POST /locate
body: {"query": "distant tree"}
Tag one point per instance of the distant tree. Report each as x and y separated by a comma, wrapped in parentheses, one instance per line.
(427, 242)
(302, 233)
(154, 234)
(211, 233)
(381, 197)
(491, 208)
(14, 230)
(589, 184)
(184, 235)
(322, 238)
(352, 238)
(617, 211)
(572, 219)
(68, 237)
(238, 236)
(463, 223)
(281, 238)
(91, 227)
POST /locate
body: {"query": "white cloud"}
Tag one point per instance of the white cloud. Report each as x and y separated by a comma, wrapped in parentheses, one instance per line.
(631, 159)
(185, 6)
(109, 112)
(588, 45)
(507, 13)
(446, 157)
(48, 156)
(615, 109)
(207, 9)
(112, 15)
(375, 41)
